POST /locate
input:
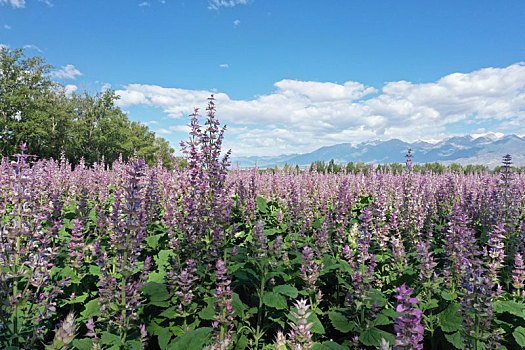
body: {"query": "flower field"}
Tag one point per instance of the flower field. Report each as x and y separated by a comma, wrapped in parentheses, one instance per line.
(131, 256)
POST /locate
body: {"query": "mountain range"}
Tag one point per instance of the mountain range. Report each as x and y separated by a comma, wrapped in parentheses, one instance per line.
(487, 149)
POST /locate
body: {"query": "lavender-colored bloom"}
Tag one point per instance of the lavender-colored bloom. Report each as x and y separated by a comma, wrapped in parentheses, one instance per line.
(300, 335)
(310, 270)
(408, 327)
(223, 324)
(476, 306)
(518, 275)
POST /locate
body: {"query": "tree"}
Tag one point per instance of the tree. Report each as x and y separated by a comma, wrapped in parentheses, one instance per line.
(37, 111)
(25, 91)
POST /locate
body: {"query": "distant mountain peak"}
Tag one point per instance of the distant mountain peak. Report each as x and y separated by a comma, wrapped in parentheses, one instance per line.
(487, 148)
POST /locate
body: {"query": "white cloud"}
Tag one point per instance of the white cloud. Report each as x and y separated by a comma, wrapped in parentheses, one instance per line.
(14, 3)
(32, 47)
(300, 116)
(144, 3)
(47, 2)
(217, 4)
(66, 72)
(70, 89)
(105, 87)
(236, 22)
(224, 65)
(7, 26)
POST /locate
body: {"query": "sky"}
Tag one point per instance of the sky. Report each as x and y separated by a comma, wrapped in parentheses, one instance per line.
(289, 76)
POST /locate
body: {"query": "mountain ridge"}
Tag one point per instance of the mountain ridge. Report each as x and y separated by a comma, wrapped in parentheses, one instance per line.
(487, 149)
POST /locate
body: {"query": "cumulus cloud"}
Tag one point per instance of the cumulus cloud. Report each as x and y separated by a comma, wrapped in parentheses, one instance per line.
(217, 4)
(7, 26)
(70, 89)
(224, 65)
(144, 3)
(236, 22)
(14, 3)
(300, 116)
(66, 72)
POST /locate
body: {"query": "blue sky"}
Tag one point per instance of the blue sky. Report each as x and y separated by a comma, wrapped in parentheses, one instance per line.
(290, 76)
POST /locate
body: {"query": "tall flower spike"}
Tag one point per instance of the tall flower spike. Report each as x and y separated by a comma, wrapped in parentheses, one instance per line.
(408, 327)
(300, 335)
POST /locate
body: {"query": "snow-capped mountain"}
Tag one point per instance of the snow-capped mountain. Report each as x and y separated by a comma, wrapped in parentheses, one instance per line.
(486, 149)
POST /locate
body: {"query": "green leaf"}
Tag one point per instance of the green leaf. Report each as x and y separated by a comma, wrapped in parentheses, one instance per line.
(328, 345)
(339, 321)
(238, 306)
(377, 296)
(450, 319)
(110, 339)
(510, 306)
(262, 204)
(91, 309)
(156, 292)
(242, 343)
(381, 320)
(153, 241)
(448, 296)
(83, 344)
(519, 336)
(95, 270)
(287, 290)
(275, 300)
(194, 339)
(456, 339)
(372, 336)
(134, 345)
(78, 299)
(207, 313)
(317, 326)
(164, 338)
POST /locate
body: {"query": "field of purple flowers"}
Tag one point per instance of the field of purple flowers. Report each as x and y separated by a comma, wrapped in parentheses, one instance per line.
(131, 256)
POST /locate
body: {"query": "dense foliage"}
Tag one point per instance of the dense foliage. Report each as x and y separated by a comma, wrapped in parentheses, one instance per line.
(137, 256)
(37, 111)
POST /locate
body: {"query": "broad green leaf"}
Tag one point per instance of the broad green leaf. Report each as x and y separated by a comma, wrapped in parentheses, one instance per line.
(95, 270)
(372, 336)
(83, 344)
(134, 344)
(238, 306)
(275, 300)
(450, 319)
(78, 299)
(381, 320)
(456, 339)
(164, 338)
(317, 326)
(329, 345)
(153, 241)
(194, 339)
(339, 321)
(169, 313)
(287, 290)
(207, 313)
(510, 306)
(519, 336)
(448, 296)
(110, 339)
(242, 343)
(262, 204)
(156, 292)
(91, 309)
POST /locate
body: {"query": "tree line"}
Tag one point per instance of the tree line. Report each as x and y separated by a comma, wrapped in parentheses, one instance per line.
(38, 111)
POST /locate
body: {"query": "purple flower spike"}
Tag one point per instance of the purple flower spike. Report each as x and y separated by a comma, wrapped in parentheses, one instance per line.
(408, 327)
